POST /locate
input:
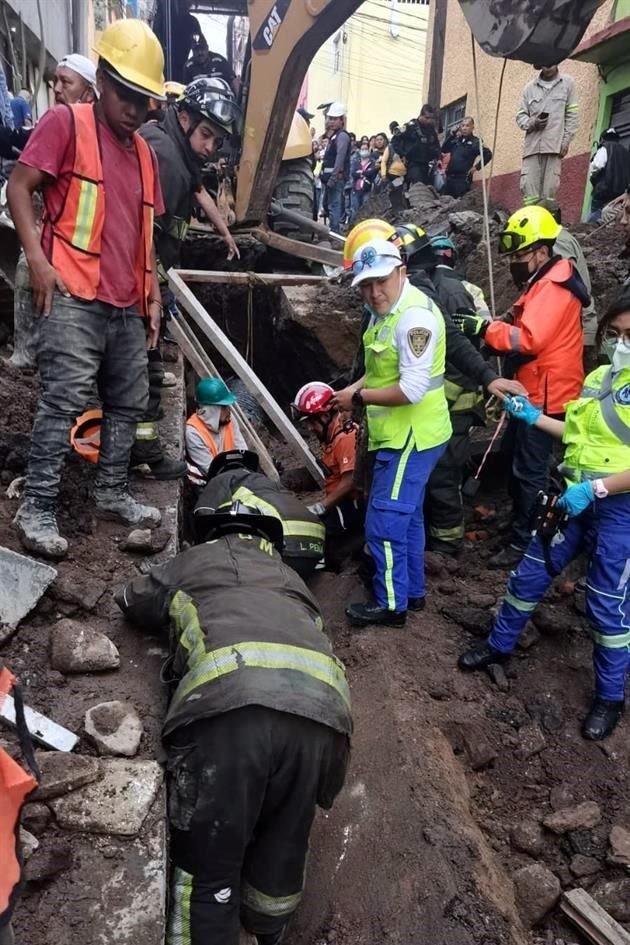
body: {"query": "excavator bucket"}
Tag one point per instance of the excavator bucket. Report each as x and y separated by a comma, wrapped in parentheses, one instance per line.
(541, 32)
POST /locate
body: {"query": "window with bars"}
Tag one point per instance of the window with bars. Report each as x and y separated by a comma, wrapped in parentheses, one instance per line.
(452, 114)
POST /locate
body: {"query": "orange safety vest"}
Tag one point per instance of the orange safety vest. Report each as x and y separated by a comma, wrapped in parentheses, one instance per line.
(77, 228)
(228, 436)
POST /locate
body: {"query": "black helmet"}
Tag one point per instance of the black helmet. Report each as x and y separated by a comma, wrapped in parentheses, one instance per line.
(237, 517)
(413, 239)
(212, 98)
(233, 459)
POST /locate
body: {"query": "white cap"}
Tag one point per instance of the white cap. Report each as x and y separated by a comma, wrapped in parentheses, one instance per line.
(336, 110)
(375, 260)
(82, 66)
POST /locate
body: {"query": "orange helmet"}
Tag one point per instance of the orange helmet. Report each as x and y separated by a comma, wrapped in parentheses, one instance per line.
(363, 233)
(85, 436)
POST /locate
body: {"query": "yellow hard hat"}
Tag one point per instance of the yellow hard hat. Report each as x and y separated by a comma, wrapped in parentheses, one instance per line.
(175, 88)
(527, 227)
(133, 50)
(363, 233)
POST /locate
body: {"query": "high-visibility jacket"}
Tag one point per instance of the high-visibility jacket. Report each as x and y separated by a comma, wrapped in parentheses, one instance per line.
(546, 335)
(597, 427)
(243, 630)
(197, 476)
(77, 228)
(304, 533)
(427, 422)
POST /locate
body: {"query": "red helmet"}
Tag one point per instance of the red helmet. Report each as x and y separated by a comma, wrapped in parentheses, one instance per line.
(315, 397)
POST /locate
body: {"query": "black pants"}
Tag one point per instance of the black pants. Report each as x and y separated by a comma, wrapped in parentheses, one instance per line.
(456, 186)
(148, 445)
(531, 451)
(443, 505)
(243, 791)
(417, 174)
(341, 522)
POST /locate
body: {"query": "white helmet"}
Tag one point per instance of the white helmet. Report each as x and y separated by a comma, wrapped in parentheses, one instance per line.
(336, 110)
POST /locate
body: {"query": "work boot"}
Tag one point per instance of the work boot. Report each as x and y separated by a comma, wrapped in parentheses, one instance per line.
(148, 457)
(508, 557)
(166, 468)
(36, 524)
(602, 719)
(479, 656)
(117, 505)
(416, 603)
(362, 615)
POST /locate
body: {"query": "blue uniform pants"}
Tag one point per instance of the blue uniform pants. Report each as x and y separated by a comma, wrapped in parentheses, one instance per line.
(603, 531)
(394, 524)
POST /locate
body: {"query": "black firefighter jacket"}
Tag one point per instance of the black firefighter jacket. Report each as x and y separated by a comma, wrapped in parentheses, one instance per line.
(243, 630)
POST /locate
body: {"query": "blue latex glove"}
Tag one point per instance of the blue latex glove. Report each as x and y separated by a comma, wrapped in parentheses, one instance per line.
(520, 408)
(577, 498)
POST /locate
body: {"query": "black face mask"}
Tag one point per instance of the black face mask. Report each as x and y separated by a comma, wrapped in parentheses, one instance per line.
(520, 273)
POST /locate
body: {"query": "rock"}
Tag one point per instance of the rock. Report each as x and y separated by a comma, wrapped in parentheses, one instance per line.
(537, 891)
(433, 564)
(551, 620)
(498, 677)
(529, 637)
(85, 594)
(545, 709)
(589, 842)
(531, 741)
(581, 816)
(115, 728)
(614, 896)
(28, 843)
(448, 588)
(77, 649)
(527, 837)
(145, 541)
(472, 619)
(466, 220)
(561, 796)
(581, 865)
(36, 817)
(23, 582)
(52, 858)
(63, 772)
(479, 750)
(118, 803)
(619, 846)
(482, 601)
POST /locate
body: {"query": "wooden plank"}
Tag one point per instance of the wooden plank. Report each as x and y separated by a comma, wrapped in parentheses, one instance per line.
(203, 367)
(320, 254)
(251, 278)
(236, 361)
(593, 920)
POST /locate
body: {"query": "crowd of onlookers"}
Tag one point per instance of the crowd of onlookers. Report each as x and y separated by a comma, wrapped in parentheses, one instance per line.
(349, 168)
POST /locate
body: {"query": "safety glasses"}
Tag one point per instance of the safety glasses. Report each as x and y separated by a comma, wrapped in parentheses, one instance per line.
(611, 336)
(510, 242)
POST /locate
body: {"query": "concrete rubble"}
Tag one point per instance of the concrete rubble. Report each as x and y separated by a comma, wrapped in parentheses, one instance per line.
(527, 837)
(146, 541)
(28, 843)
(115, 728)
(75, 648)
(63, 772)
(619, 846)
(23, 582)
(117, 803)
(537, 891)
(582, 816)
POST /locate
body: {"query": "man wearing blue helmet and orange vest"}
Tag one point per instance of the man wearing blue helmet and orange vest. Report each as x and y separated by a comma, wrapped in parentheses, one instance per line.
(212, 429)
(93, 277)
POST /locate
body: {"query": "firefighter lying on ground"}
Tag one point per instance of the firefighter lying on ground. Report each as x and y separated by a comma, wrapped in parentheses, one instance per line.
(257, 731)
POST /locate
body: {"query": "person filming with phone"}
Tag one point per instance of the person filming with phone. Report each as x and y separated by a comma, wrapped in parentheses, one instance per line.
(549, 116)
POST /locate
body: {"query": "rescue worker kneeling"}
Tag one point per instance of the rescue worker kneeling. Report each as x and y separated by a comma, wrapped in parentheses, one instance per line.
(596, 464)
(233, 477)
(340, 510)
(257, 731)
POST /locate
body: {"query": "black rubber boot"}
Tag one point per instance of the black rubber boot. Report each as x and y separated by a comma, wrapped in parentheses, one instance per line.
(416, 603)
(602, 719)
(362, 615)
(508, 557)
(148, 457)
(479, 656)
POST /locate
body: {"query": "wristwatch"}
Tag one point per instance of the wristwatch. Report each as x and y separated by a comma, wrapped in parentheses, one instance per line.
(599, 489)
(357, 400)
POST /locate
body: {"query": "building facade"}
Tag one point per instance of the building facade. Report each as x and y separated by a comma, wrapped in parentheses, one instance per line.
(601, 70)
(374, 64)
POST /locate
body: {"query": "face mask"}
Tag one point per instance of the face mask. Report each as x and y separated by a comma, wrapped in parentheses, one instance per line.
(617, 353)
(210, 414)
(364, 154)
(520, 273)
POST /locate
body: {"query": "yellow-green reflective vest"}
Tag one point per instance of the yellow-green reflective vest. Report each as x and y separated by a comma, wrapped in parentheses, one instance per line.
(427, 422)
(597, 427)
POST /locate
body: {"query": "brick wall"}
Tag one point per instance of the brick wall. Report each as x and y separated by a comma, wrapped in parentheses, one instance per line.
(506, 188)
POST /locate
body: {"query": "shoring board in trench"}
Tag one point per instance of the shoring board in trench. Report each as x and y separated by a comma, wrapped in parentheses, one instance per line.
(237, 362)
(203, 367)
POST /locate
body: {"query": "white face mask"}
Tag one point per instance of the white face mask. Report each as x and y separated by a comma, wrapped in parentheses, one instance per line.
(619, 354)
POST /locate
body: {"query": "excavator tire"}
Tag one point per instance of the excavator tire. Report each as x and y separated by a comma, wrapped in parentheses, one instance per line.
(295, 190)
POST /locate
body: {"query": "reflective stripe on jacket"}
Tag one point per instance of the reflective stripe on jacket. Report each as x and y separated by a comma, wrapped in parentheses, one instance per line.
(244, 630)
(597, 427)
(77, 229)
(547, 330)
(560, 103)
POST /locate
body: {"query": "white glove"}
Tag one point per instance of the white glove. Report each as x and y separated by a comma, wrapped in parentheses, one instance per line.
(317, 509)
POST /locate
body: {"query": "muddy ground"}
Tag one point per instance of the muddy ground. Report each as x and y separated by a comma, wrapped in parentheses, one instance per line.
(421, 846)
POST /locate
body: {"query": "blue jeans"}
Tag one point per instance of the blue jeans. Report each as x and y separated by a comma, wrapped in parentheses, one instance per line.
(603, 531)
(394, 524)
(336, 204)
(82, 346)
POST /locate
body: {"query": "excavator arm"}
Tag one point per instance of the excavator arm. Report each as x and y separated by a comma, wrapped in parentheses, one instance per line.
(541, 32)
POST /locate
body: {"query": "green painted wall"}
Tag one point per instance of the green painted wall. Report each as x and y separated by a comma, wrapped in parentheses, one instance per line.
(617, 81)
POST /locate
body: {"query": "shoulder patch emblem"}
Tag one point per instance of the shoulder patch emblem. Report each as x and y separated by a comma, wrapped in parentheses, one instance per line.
(418, 339)
(622, 396)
